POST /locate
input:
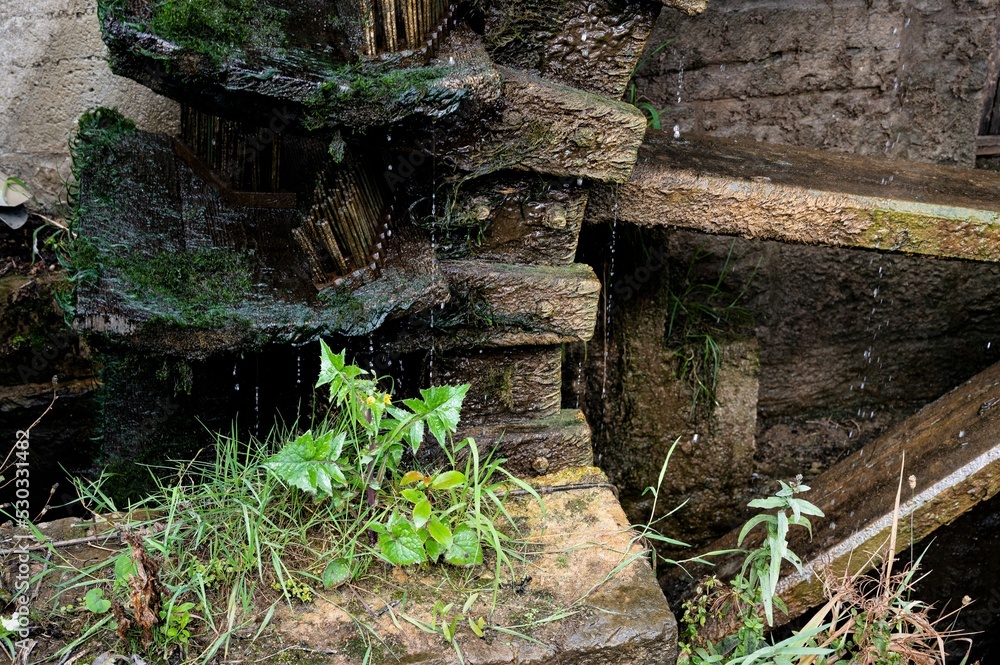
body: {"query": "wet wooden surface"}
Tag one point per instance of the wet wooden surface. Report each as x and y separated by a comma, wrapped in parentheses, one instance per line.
(952, 449)
(758, 190)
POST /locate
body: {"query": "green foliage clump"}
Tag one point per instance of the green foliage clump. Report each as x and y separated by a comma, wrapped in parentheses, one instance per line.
(196, 286)
(218, 29)
(310, 509)
(699, 315)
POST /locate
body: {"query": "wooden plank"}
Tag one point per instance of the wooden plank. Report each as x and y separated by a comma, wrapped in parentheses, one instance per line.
(987, 145)
(757, 190)
(951, 447)
(275, 200)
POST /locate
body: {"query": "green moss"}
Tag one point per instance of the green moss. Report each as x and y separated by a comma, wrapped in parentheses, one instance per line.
(217, 29)
(500, 386)
(193, 288)
(368, 94)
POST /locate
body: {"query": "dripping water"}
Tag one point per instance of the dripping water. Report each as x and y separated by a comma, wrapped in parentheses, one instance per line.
(608, 290)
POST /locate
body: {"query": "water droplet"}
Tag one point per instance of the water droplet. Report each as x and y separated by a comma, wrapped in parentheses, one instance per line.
(677, 131)
(694, 438)
(961, 434)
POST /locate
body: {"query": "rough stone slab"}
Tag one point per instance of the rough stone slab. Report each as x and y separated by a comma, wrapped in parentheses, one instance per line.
(755, 190)
(593, 46)
(555, 130)
(282, 92)
(584, 536)
(952, 446)
(148, 201)
(511, 305)
(585, 561)
(536, 447)
(526, 220)
(524, 383)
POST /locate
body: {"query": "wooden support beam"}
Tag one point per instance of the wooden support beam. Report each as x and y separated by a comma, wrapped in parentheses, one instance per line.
(952, 448)
(758, 190)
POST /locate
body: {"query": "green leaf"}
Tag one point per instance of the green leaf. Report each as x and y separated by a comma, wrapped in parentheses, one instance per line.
(768, 503)
(336, 573)
(124, 569)
(433, 549)
(421, 513)
(335, 372)
(477, 626)
(96, 602)
(308, 463)
(447, 480)
(465, 549)
(439, 532)
(413, 496)
(440, 408)
(410, 477)
(402, 546)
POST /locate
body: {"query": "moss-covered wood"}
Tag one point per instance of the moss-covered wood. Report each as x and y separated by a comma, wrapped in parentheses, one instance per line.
(293, 84)
(755, 190)
(179, 268)
(534, 447)
(524, 220)
(505, 383)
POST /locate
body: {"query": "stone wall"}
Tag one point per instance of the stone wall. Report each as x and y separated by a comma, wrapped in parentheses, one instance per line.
(53, 70)
(851, 75)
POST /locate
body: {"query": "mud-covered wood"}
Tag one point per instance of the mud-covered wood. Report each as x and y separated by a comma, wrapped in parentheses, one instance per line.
(755, 190)
(952, 451)
(593, 46)
(538, 446)
(507, 383)
(555, 130)
(528, 220)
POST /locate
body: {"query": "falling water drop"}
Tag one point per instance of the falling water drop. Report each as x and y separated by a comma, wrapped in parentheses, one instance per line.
(298, 368)
(677, 131)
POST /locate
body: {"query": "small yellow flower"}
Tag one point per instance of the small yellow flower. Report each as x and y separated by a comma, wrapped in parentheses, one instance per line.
(369, 400)
(387, 399)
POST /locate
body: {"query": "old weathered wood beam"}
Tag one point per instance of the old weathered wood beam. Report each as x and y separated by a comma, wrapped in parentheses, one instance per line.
(952, 448)
(758, 190)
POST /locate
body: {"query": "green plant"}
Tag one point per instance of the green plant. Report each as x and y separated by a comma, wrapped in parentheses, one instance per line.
(301, 512)
(699, 315)
(736, 604)
(176, 618)
(429, 516)
(868, 620)
(644, 104)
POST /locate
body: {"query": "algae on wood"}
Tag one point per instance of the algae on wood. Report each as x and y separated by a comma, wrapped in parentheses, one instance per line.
(754, 190)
